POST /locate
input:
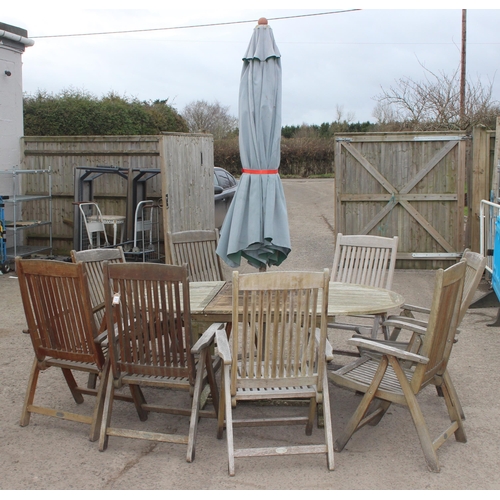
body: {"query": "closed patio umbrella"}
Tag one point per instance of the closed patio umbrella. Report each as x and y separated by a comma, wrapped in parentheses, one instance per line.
(256, 225)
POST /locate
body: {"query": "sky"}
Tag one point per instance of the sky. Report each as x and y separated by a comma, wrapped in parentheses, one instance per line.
(336, 56)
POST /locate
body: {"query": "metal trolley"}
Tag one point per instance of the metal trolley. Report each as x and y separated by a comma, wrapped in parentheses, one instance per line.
(145, 246)
(4, 266)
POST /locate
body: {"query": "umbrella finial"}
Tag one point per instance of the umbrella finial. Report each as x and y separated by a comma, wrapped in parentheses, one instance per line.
(262, 20)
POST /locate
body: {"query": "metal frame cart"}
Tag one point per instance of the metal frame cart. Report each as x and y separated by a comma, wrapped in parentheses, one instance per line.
(146, 244)
(4, 266)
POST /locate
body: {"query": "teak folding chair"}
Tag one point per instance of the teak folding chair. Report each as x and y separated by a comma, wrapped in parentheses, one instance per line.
(58, 311)
(93, 261)
(151, 346)
(197, 250)
(277, 353)
(475, 265)
(387, 378)
(364, 260)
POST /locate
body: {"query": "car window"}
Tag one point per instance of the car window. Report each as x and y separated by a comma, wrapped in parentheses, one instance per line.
(225, 179)
(216, 180)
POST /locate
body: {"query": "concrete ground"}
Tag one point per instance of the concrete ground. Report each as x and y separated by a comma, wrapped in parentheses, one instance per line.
(51, 454)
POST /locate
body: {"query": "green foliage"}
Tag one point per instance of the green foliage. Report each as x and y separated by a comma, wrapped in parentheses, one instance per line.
(76, 112)
(300, 157)
(325, 130)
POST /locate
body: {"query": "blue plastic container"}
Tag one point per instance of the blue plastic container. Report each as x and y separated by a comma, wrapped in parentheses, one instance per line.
(495, 278)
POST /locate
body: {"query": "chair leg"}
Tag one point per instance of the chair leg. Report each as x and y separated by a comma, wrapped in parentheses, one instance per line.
(417, 417)
(95, 427)
(139, 400)
(73, 386)
(454, 408)
(222, 399)
(195, 408)
(92, 381)
(310, 419)
(453, 393)
(355, 422)
(211, 380)
(327, 422)
(229, 419)
(106, 416)
(30, 394)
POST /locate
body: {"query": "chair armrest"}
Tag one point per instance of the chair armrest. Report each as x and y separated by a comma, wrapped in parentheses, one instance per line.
(223, 346)
(413, 308)
(387, 349)
(406, 319)
(101, 337)
(407, 324)
(207, 338)
(328, 346)
(343, 326)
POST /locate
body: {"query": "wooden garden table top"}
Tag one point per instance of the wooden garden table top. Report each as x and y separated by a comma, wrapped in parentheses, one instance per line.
(212, 300)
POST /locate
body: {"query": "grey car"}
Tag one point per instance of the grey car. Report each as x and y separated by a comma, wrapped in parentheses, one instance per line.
(224, 188)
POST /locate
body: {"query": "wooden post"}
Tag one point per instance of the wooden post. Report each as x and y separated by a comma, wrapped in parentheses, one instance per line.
(480, 188)
(495, 181)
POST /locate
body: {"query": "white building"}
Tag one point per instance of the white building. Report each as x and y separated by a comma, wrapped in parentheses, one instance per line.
(13, 42)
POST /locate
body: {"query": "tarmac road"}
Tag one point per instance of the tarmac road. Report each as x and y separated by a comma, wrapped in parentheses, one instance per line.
(51, 454)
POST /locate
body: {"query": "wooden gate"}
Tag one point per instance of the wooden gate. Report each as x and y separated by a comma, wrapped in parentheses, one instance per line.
(408, 185)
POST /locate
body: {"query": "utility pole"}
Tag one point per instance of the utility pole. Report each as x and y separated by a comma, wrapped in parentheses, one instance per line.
(462, 72)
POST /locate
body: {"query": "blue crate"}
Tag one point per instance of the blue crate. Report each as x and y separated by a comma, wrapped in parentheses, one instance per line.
(495, 278)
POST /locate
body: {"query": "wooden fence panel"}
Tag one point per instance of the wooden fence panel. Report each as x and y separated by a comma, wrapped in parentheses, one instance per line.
(113, 192)
(408, 185)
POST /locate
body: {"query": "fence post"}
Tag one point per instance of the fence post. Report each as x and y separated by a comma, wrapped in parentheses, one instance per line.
(480, 186)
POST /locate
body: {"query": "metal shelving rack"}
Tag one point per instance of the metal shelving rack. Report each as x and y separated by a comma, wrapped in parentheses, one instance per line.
(14, 206)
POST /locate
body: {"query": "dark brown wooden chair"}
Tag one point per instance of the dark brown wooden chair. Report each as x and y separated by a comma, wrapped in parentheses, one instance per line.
(151, 346)
(58, 310)
(398, 376)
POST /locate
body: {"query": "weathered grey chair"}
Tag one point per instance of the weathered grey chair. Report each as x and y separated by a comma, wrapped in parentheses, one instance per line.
(277, 353)
(365, 260)
(386, 378)
(475, 265)
(197, 250)
(93, 261)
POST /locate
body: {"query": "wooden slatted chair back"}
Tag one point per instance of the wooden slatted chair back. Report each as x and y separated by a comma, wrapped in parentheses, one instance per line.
(152, 319)
(276, 314)
(57, 305)
(442, 325)
(476, 264)
(93, 261)
(197, 249)
(365, 260)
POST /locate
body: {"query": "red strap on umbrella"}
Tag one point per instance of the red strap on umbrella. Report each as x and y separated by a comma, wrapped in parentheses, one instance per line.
(249, 171)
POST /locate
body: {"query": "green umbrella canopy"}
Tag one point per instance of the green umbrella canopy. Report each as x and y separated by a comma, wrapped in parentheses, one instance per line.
(256, 225)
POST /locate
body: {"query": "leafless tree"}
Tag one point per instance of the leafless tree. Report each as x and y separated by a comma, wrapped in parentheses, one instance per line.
(214, 119)
(434, 103)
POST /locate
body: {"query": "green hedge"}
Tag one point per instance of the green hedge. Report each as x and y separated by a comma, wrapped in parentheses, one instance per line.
(300, 157)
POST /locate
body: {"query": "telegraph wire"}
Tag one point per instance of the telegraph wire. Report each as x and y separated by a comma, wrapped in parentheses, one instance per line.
(196, 25)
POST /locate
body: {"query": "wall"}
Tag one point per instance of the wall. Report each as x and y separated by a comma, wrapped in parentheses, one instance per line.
(13, 41)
